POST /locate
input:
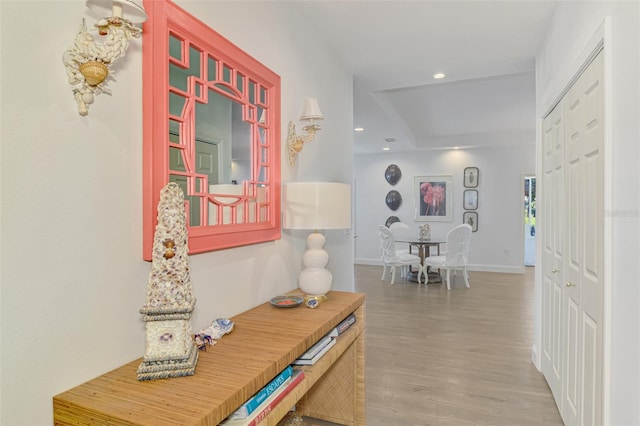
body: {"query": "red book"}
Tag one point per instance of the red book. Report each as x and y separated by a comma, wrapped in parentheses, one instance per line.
(295, 379)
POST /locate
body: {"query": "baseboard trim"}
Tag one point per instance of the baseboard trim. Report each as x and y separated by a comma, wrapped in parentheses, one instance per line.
(497, 268)
(478, 268)
(370, 262)
(535, 358)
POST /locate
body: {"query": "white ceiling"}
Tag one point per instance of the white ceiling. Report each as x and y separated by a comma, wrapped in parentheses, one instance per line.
(486, 49)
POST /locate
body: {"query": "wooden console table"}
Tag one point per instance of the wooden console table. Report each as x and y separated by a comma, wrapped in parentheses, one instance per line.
(265, 341)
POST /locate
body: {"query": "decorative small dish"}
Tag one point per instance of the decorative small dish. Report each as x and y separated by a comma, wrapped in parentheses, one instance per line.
(286, 301)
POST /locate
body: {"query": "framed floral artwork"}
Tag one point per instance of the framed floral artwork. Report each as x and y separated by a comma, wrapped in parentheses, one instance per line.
(471, 176)
(433, 198)
(472, 219)
(470, 199)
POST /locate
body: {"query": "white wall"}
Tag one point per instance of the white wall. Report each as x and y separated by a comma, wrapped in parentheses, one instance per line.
(72, 276)
(571, 31)
(498, 244)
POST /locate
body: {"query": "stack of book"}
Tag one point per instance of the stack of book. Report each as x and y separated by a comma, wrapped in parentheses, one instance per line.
(316, 351)
(260, 405)
(321, 347)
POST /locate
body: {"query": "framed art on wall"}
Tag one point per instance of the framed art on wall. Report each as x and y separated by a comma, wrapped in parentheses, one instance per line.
(470, 199)
(433, 198)
(471, 175)
(471, 218)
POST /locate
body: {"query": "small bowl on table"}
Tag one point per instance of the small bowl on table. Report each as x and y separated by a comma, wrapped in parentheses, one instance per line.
(286, 301)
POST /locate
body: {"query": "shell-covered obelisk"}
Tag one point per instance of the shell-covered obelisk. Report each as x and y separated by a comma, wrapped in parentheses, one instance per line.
(170, 350)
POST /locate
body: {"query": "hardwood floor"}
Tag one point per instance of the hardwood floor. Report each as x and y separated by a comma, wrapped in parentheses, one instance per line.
(461, 357)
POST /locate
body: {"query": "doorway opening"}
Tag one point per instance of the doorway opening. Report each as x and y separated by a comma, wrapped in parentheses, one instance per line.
(529, 221)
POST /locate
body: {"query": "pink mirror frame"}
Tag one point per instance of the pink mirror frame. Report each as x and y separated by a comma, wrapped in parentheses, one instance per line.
(167, 19)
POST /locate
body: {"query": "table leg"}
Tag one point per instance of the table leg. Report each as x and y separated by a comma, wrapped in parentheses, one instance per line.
(423, 253)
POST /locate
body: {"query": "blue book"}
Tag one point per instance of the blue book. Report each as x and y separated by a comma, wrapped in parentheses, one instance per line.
(257, 399)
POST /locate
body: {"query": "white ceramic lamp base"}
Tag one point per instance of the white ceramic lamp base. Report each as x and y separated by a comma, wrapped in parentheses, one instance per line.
(315, 280)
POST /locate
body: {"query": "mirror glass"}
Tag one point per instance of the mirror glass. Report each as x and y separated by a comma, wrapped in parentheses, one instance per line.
(212, 117)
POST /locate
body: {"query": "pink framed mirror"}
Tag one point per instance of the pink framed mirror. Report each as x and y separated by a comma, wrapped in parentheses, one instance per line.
(211, 124)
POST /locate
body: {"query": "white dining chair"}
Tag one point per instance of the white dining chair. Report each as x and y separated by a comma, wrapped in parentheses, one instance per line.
(401, 231)
(456, 255)
(392, 259)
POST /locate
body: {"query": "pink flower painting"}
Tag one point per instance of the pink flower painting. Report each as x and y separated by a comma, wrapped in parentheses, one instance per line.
(433, 198)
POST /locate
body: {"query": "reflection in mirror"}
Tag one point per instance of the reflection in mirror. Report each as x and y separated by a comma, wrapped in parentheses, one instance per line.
(212, 118)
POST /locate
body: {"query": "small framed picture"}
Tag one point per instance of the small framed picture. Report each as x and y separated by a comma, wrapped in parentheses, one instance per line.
(471, 175)
(471, 218)
(470, 199)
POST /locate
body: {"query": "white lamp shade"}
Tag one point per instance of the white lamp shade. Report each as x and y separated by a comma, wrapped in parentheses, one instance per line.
(311, 110)
(131, 10)
(316, 205)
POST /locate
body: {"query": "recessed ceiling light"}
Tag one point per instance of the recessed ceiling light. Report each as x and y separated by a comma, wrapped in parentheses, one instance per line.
(439, 75)
(386, 149)
(359, 129)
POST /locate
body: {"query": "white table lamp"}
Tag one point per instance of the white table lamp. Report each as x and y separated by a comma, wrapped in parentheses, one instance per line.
(316, 206)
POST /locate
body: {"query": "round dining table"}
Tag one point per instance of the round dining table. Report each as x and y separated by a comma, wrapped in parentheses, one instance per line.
(424, 249)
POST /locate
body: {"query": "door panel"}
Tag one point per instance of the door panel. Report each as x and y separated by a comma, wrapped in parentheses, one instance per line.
(207, 160)
(590, 360)
(571, 399)
(583, 151)
(573, 262)
(556, 316)
(552, 224)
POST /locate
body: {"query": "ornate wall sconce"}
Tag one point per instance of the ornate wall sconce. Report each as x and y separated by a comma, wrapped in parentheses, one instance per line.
(310, 113)
(89, 63)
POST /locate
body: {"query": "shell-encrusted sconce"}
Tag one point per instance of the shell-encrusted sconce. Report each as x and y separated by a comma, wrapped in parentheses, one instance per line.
(94, 72)
(88, 63)
(295, 143)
